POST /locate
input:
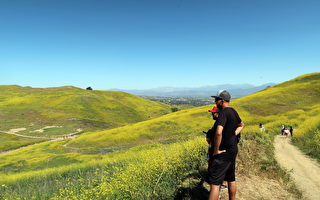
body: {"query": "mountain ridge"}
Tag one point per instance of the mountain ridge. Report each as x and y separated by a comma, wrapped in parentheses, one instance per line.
(238, 90)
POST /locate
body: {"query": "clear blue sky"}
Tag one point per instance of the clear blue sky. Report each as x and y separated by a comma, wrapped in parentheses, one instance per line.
(139, 44)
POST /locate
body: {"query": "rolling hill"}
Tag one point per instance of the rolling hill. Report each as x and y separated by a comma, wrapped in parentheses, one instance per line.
(64, 110)
(124, 162)
(298, 95)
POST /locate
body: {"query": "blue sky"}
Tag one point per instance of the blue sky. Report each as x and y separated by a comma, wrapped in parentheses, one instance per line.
(140, 44)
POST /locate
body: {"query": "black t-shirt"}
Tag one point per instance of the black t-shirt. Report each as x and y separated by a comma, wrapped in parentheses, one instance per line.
(212, 132)
(229, 119)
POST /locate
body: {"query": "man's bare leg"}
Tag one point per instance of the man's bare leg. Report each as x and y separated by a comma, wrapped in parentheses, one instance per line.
(232, 189)
(214, 192)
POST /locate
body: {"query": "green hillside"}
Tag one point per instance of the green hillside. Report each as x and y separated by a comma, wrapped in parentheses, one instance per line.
(96, 164)
(169, 128)
(8, 142)
(300, 93)
(64, 110)
(179, 126)
(283, 100)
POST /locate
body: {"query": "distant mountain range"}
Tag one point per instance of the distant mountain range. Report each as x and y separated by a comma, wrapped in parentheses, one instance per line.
(236, 90)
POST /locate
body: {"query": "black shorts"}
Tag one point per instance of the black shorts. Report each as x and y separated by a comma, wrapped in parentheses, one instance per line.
(222, 167)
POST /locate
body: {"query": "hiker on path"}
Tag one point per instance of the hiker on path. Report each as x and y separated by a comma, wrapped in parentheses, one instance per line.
(286, 132)
(282, 129)
(291, 131)
(225, 148)
(261, 127)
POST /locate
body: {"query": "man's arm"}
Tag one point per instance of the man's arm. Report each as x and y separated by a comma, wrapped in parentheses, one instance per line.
(239, 128)
(217, 141)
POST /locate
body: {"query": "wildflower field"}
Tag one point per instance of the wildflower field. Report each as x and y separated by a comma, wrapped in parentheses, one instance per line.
(150, 159)
(123, 175)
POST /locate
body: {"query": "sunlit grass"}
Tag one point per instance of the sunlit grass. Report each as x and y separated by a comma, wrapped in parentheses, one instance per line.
(73, 107)
(9, 142)
(150, 158)
(150, 170)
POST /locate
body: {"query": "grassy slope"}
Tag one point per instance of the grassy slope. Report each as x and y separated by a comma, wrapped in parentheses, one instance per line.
(307, 138)
(167, 129)
(170, 128)
(72, 108)
(268, 106)
(300, 93)
(284, 100)
(293, 103)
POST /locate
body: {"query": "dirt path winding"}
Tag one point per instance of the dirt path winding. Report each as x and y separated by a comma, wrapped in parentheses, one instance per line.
(52, 139)
(18, 149)
(304, 170)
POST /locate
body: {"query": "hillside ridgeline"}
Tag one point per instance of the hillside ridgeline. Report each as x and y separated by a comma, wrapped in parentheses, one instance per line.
(97, 163)
(65, 110)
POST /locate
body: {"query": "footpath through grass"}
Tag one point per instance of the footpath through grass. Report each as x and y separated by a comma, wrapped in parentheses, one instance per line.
(10, 142)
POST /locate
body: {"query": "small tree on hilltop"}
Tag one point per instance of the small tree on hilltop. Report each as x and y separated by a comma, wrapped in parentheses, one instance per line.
(174, 109)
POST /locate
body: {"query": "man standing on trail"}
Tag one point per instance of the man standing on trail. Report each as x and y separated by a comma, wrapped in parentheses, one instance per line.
(210, 139)
(222, 167)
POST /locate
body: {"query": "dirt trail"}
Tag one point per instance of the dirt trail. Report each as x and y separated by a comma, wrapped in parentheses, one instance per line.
(18, 149)
(304, 170)
(23, 147)
(52, 138)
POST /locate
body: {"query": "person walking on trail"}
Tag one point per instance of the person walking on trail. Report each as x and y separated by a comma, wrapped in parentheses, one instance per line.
(291, 131)
(282, 129)
(225, 148)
